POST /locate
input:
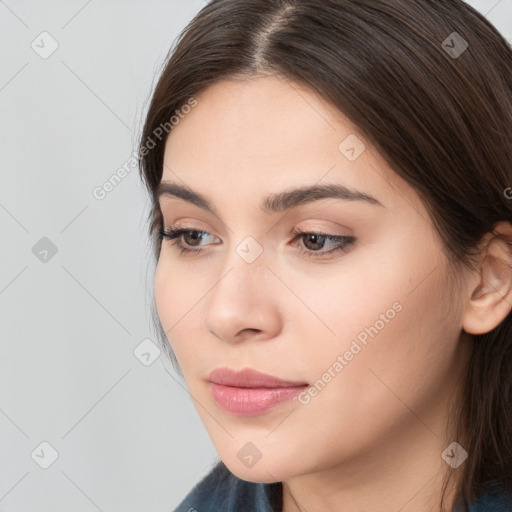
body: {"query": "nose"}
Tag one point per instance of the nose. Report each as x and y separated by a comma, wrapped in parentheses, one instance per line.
(244, 302)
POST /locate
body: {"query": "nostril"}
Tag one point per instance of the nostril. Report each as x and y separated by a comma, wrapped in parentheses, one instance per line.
(249, 331)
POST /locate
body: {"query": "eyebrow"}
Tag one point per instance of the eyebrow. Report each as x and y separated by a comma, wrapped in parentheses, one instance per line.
(275, 202)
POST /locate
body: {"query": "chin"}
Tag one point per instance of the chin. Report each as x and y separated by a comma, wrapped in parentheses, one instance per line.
(266, 470)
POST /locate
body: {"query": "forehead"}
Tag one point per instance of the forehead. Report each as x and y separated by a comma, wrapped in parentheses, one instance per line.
(254, 136)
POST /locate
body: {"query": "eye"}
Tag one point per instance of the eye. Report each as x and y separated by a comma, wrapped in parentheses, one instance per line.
(175, 235)
(192, 237)
(313, 239)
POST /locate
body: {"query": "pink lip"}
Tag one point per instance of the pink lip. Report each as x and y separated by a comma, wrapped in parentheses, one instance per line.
(249, 392)
(249, 378)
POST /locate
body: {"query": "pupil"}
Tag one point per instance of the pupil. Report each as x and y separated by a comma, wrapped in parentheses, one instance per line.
(317, 239)
(194, 235)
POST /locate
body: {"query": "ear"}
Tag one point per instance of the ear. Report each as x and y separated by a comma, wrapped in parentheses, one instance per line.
(490, 299)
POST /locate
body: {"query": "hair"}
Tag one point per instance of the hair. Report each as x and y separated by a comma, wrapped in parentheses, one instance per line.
(443, 122)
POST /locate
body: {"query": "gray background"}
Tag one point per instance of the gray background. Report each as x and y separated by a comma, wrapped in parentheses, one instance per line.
(126, 433)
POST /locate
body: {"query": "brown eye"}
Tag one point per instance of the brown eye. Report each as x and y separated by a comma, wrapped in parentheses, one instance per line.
(314, 242)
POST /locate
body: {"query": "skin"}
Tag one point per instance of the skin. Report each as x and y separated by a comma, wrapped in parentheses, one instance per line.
(372, 438)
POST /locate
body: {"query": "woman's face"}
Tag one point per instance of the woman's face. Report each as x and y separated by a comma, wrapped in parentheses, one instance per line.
(372, 329)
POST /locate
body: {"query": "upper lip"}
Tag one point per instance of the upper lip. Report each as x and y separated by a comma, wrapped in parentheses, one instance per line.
(249, 378)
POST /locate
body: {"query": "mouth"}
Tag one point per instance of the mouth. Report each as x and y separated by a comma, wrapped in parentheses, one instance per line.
(249, 378)
(249, 392)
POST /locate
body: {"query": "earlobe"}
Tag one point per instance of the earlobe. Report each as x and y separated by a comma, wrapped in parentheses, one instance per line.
(490, 301)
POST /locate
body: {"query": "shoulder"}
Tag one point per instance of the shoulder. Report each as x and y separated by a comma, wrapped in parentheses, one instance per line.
(493, 501)
(220, 490)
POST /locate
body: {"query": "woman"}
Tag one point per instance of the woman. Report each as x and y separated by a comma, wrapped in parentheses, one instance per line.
(330, 185)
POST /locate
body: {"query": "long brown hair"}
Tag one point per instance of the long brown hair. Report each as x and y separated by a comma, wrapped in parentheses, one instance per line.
(429, 84)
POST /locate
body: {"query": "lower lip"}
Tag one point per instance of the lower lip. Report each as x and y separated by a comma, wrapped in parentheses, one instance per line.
(252, 401)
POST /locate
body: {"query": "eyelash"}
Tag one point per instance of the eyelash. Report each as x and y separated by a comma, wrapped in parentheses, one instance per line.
(344, 242)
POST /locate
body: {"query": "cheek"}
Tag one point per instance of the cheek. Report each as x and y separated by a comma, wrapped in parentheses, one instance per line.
(163, 295)
(392, 345)
(374, 314)
(348, 300)
(380, 288)
(175, 290)
(178, 294)
(173, 298)
(396, 376)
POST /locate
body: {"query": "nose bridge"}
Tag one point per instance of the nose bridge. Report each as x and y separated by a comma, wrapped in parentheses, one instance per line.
(245, 270)
(242, 297)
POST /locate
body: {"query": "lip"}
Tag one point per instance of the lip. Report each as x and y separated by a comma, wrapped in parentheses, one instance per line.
(249, 378)
(249, 392)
